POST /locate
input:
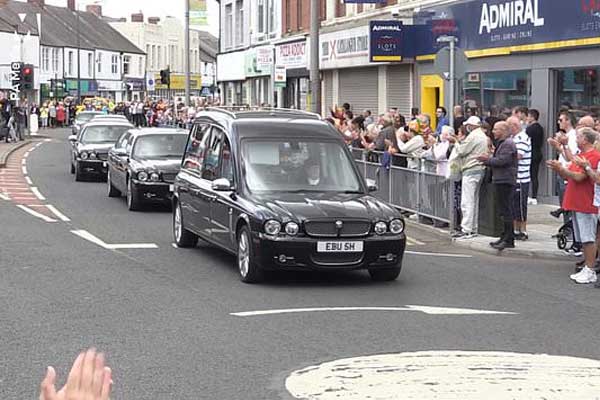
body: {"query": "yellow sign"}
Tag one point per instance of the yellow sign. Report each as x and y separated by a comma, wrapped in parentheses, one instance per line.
(198, 13)
(178, 82)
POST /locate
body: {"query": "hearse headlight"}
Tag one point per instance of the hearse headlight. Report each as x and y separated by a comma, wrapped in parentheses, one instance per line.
(154, 177)
(142, 176)
(272, 227)
(397, 226)
(93, 156)
(292, 228)
(83, 155)
(380, 228)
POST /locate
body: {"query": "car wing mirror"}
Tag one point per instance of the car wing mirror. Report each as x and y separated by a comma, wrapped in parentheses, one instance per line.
(372, 185)
(119, 152)
(72, 138)
(221, 185)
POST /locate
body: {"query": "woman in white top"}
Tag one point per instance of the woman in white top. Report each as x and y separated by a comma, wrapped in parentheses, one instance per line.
(411, 143)
(439, 152)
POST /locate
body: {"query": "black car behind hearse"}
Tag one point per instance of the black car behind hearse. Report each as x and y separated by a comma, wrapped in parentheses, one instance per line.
(279, 189)
(89, 148)
(143, 164)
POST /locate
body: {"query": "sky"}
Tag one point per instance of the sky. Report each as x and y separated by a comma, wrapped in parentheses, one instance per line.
(150, 8)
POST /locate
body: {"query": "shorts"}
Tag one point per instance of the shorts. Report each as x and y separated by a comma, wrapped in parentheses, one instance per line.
(520, 201)
(587, 225)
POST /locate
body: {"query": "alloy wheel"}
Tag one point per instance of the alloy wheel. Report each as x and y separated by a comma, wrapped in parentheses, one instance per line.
(244, 254)
(177, 223)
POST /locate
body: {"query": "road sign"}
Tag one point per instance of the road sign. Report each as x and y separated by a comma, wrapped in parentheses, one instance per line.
(280, 76)
(441, 64)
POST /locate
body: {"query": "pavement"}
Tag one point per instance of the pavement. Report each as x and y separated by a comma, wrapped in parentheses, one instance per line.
(169, 318)
(540, 228)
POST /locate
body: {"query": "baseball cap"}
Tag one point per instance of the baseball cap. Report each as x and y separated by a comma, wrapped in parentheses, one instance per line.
(473, 121)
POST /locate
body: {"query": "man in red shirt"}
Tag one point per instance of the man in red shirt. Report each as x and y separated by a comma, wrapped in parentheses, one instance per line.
(579, 198)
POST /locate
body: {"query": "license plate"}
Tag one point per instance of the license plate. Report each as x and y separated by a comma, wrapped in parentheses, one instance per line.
(104, 164)
(171, 188)
(340, 247)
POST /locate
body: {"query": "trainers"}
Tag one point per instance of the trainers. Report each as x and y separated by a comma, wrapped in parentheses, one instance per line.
(466, 236)
(576, 274)
(586, 276)
(532, 202)
(458, 234)
(521, 236)
(557, 213)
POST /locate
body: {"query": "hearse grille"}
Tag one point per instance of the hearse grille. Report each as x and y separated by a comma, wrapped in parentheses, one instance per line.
(330, 228)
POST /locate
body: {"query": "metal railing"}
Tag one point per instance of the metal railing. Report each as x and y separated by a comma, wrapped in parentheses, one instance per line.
(416, 190)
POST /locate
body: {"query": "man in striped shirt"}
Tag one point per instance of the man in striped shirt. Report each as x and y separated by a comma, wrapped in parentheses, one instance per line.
(523, 144)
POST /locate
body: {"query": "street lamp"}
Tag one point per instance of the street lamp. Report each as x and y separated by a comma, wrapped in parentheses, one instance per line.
(451, 40)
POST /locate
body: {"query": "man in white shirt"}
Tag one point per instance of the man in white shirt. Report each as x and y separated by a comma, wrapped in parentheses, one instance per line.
(523, 145)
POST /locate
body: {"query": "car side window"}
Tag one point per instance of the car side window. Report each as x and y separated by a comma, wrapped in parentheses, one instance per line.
(122, 141)
(196, 148)
(210, 168)
(226, 168)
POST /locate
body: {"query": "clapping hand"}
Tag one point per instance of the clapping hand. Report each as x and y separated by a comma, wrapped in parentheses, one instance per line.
(554, 164)
(89, 379)
(582, 162)
(483, 157)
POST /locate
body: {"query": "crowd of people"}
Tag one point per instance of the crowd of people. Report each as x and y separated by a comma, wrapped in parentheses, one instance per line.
(505, 150)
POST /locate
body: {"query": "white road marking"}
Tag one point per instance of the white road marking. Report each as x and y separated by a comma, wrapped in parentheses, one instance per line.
(24, 170)
(464, 375)
(58, 214)
(26, 154)
(29, 181)
(423, 309)
(37, 193)
(47, 140)
(4, 196)
(35, 213)
(174, 245)
(39, 144)
(91, 238)
(414, 241)
(419, 253)
(23, 161)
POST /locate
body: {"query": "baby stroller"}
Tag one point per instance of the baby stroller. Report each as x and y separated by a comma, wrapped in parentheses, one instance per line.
(565, 238)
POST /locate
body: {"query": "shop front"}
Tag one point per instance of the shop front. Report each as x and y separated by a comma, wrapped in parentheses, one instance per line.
(177, 87)
(293, 55)
(258, 70)
(349, 76)
(135, 88)
(540, 54)
(87, 87)
(111, 90)
(231, 73)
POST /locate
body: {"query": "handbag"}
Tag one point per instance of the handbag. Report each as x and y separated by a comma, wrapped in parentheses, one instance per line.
(453, 172)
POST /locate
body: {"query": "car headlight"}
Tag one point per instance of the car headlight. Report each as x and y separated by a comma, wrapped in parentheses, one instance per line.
(397, 226)
(83, 155)
(142, 176)
(380, 228)
(272, 227)
(292, 228)
(154, 177)
(93, 156)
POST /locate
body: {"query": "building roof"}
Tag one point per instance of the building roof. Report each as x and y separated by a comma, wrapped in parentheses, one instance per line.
(59, 28)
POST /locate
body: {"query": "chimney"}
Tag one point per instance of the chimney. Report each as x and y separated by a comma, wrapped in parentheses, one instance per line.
(95, 9)
(153, 20)
(39, 3)
(139, 17)
(71, 5)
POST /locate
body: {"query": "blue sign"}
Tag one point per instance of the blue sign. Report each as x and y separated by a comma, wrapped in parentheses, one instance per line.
(386, 41)
(499, 27)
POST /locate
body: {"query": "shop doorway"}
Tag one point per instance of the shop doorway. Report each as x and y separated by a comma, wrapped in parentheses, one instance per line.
(432, 95)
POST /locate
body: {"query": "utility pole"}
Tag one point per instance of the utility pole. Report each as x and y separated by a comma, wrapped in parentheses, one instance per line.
(315, 78)
(187, 53)
(79, 56)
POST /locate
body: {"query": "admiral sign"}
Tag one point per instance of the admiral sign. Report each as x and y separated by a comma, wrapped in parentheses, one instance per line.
(516, 25)
(386, 41)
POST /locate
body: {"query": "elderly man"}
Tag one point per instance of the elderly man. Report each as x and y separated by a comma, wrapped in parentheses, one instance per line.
(504, 175)
(523, 145)
(475, 144)
(579, 199)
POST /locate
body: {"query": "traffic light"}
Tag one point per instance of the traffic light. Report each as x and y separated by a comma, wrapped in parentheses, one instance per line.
(27, 77)
(165, 76)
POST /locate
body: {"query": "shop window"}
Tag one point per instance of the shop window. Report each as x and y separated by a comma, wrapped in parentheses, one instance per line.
(495, 93)
(578, 90)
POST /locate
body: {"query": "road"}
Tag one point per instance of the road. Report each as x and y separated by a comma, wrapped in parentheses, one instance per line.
(164, 315)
